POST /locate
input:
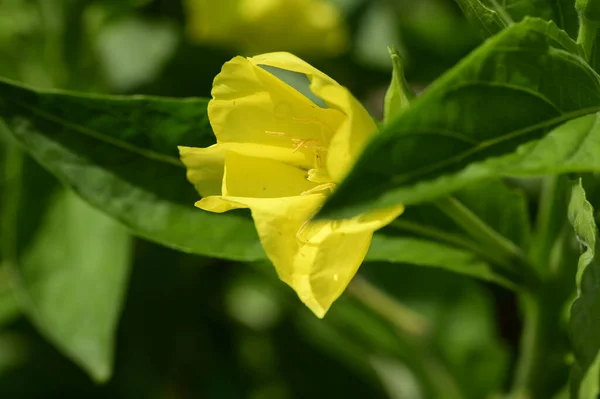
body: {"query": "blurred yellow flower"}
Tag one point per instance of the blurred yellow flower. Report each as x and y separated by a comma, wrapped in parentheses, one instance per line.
(280, 154)
(255, 26)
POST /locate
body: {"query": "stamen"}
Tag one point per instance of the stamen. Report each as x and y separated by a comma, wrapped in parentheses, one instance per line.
(309, 144)
(301, 144)
(300, 230)
(320, 187)
(271, 133)
(305, 143)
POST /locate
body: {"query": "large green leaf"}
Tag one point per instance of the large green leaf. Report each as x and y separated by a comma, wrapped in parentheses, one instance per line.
(491, 16)
(65, 263)
(562, 12)
(120, 155)
(72, 279)
(512, 90)
(584, 325)
(422, 252)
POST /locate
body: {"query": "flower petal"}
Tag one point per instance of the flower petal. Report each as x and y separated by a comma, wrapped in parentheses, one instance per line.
(290, 62)
(325, 266)
(357, 127)
(205, 168)
(352, 135)
(279, 223)
(370, 221)
(333, 252)
(251, 105)
(247, 176)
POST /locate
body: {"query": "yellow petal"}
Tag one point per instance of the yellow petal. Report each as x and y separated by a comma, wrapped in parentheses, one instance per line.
(247, 176)
(332, 253)
(326, 264)
(279, 222)
(370, 221)
(251, 105)
(351, 136)
(205, 166)
(317, 259)
(290, 62)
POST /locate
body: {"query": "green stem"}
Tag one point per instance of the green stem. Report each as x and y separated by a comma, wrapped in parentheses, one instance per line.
(530, 347)
(587, 35)
(551, 223)
(404, 318)
(542, 348)
(412, 329)
(493, 242)
(448, 238)
(11, 177)
(478, 229)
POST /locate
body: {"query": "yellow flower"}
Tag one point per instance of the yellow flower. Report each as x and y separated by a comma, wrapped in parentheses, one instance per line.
(254, 26)
(281, 154)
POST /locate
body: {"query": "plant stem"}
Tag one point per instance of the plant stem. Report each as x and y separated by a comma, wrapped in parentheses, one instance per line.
(587, 35)
(412, 329)
(530, 346)
(11, 187)
(404, 318)
(542, 347)
(477, 228)
(499, 246)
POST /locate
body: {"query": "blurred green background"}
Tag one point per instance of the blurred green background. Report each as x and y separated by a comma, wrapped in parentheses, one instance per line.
(179, 326)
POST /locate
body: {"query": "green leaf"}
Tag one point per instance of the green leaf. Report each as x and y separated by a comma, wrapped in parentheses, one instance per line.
(584, 325)
(510, 91)
(487, 19)
(9, 306)
(491, 16)
(71, 281)
(581, 217)
(120, 155)
(65, 263)
(427, 253)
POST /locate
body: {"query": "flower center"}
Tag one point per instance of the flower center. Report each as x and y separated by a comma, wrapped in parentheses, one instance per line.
(318, 146)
